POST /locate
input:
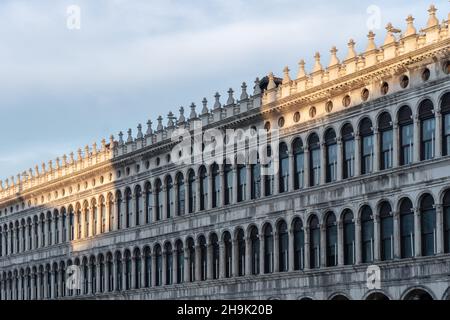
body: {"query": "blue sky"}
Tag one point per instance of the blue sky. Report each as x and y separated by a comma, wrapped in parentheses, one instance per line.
(131, 61)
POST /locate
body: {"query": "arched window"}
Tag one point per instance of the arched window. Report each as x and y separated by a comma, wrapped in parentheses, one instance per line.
(349, 237)
(180, 261)
(299, 245)
(169, 263)
(406, 130)
(268, 167)
(158, 265)
(314, 160)
(428, 225)
(299, 166)
(427, 130)
(331, 240)
(227, 243)
(445, 111)
(386, 141)
(228, 180)
(137, 204)
(387, 232)
(268, 249)
(241, 252)
(148, 267)
(158, 199)
(128, 209)
(148, 203)
(169, 197)
(215, 255)
(406, 229)
(366, 133)
(242, 182)
(203, 258)
(215, 197)
(256, 178)
(127, 266)
(331, 155)
(283, 246)
(348, 152)
(254, 239)
(446, 208)
(181, 195)
(191, 190)
(191, 250)
(314, 242)
(367, 234)
(203, 188)
(283, 171)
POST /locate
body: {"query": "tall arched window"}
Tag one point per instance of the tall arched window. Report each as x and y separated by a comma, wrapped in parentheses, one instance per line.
(137, 204)
(367, 234)
(128, 209)
(445, 111)
(191, 190)
(427, 130)
(299, 245)
(215, 255)
(148, 203)
(227, 243)
(428, 225)
(349, 237)
(331, 155)
(386, 141)
(169, 263)
(181, 195)
(406, 130)
(228, 180)
(348, 152)
(283, 247)
(446, 208)
(148, 267)
(203, 258)
(203, 188)
(268, 178)
(283, 171)
(241, 252)
(159, 199)
(169, 197)
(314, 242)
(366, 133)
(387, 232)
(268, 249)
(215, 197)
(254, 238)
(406, 228)
(314, 159)
(180, 261)
(242, 182)
(331, 240)
(299, 171)
(158, 265)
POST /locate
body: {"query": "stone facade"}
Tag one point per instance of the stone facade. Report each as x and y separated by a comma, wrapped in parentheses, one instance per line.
(363, 180)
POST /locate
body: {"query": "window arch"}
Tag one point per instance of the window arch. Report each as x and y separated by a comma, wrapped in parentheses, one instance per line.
(331, 240)
(168, 254)
(191, 191)
(203, 188)
(299, 245)
(254, 239)
(283, 171)
(446, 208)
(214, 240)
(283, 247)
(367, 234)
(445, 111)
(181, 193)
(349, 237)
(406, 129)
(215, 197)
(268, 249)
(169, 197)
(366, 134)
(159, 199)
(314, 242)
(386, 141)
(314, 159)
(387, 231)
(428, 225)
(348, 152)
(331, 155)
(406, 228)
(241, 252)
(427, 130)
(297, 148)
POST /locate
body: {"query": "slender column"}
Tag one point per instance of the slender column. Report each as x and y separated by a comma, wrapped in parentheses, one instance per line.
(438, 135)
(154, 206)
(291, 249)
(235, 184)
(154, 271)
(198, 267)
(439, 229)
(248, 256)
(358, 241)
(45, 278)
(276, 176)
(142, 278)
(187, 264)
(248, 186)
(376, 150)
(164, 204)
(133, 273)
(377, 237)
(98, 278)
(357, 154)
(263, 185)
(142, 205)
(307, 248)
(133, 212)
(124, 277)
(416, 136)
(3, 240)
(99, 209)
(222, 260)
(197, 192)
(307, 180)
(33, 285)
(234, 259)
(291, 172)
(20, 292)
(396, 217)
(107, 218)
(340, 239)
(75, 226)
(106, 280)
(276, 252)
(340, 161)
(52, 284)
(175, 266)
(186, 195)
(164, 268)
(115, 284)
(395, 145)
(122, 212)
(211, 191)
(210, 262)
(90, 284)
(59, 237)
(261, 254)
(175, 195)
(84, 232)
(323, 245)
(417, 233)
(323, 163)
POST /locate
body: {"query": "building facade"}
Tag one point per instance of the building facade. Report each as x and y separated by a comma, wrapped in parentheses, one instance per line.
(358, 208)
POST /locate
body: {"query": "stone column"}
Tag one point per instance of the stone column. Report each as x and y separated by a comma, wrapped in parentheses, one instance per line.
(115, 284)
(186, 196)
(276, 177)
(276, 253)
(133, 283)
(124, 278)
(176, 196)
(395, 146)
(175, 266)
(198, 263)
(210, 262)
(75, 226)
(291, 172)
(323, 163)
(234, 270)
(59, 238)
(197, 192)
(106, 280)
(291, 249)
(143, 271)
(340, 161)
(376, 237)
(211, 191)
(235, 185)
(376, 150)
(155, 207)
(248, 256)
(222, 260)
(45, 286)
(154, 271)
(187, 264)
(133, 211)
(307, 250)
(33, 285)
(122, 213)
(164, 268)
(107, 218)
(416, 137)
(248, 186)
(307, 171)
(323, 245)
(357, 154)
(164, 204)
(396, 225)
(263, 185)
(340, 240)
(358, 240)
(439, 228)
(261, 253)
(20, 293)
(417, 233)
(52, 284)
(438, 135)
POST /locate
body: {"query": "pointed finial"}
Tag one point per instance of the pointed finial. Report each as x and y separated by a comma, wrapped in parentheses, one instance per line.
(371, 43)
(160, 125)
(57, 166)
(36, 169)
(193, 114)
(30, 173)
(149, 127)
(272, 84)
(351, 50)
(432, 20)
(140, 135)
(286, 77)
(94, 148)
(72, 157)
(120, 138)
(43, 167)
(256, 88)
(334, 59)
(103, 145)
(64, 160)
(50, 165)
(217, 103)
(301, 69)
(244, 94)
(410, 29)
(111, 141)
(130, 137)
(317, 64)
(86, 151)
(170, 117)
(205, 106)
(181, 118)
(230, 100)
(390, 38)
